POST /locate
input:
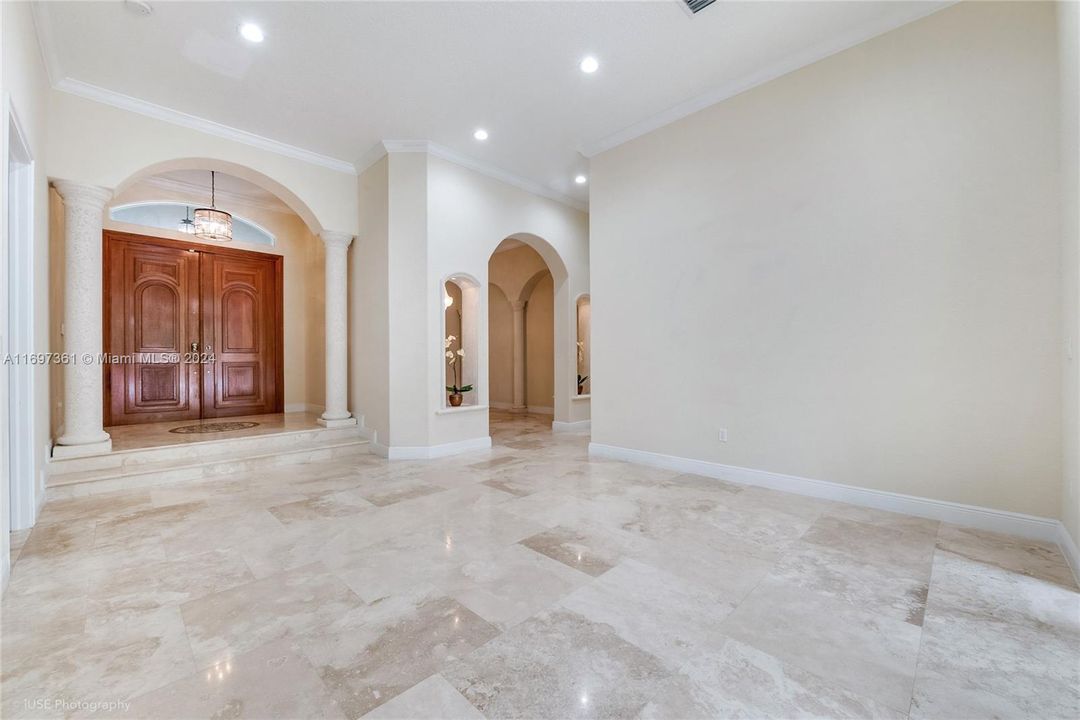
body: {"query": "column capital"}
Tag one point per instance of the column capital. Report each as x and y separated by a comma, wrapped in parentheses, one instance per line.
(517, 305)
(335, 239)
(77, 193)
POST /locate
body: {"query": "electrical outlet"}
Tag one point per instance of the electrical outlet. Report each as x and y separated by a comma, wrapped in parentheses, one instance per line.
(723, 434)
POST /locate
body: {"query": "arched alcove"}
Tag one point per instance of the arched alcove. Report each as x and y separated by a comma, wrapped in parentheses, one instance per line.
(583, 308)
(461, 326)
(521, 329)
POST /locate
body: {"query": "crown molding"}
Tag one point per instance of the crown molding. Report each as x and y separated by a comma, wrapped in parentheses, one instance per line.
(175, 117)
(906, 13)
(63, 83)
(384, 147)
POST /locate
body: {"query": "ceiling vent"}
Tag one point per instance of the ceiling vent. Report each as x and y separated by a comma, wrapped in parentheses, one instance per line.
(696, 6)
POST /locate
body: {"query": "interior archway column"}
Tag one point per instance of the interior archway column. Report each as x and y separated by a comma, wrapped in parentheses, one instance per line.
(519, 356)
(84, 430)
(337, 412)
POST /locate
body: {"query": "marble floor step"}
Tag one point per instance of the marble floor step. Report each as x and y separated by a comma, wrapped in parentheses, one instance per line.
(152, 466)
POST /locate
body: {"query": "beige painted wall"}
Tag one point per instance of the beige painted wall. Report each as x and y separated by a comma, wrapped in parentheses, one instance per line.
(369, 305)
(853, 268)
(303, 254)
(1069, 63)
(539, 347)
(521, 273)
(500, 345)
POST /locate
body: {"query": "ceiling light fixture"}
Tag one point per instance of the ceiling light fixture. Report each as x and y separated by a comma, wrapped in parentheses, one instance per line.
(581, 179)
(251, 32)
(186, 225)
(211, 223)
(480, 134)
(589, 64)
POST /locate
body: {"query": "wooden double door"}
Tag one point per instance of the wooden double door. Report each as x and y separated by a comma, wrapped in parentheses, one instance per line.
(191, 331)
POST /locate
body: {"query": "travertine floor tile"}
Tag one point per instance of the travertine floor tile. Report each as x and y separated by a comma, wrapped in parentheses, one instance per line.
(864, 652)
(558, 664)
(526, 581)
(431, 699)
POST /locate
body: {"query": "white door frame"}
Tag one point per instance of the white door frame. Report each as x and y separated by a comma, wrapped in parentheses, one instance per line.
(18, 265)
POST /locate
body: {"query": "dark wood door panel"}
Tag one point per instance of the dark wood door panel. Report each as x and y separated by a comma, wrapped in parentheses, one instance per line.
(161, 296)
(241, 297)
(151, 309)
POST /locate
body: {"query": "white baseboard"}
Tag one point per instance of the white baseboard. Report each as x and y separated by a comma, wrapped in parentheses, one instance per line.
(1002, 521)
(1067, 543)
(427, 452)
(560, 426)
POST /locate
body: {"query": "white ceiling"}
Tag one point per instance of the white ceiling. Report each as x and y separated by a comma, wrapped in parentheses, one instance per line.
(336, 78)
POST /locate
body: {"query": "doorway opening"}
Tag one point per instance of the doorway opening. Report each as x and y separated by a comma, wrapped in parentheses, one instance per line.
(19, 378)
(521, 331)
(192, 331)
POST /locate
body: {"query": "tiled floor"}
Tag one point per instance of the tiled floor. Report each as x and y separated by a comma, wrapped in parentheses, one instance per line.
(146, 435)
(529, 582)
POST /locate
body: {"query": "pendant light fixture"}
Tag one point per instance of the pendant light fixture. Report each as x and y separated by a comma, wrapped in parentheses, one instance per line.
(211, 223)
(187, 225)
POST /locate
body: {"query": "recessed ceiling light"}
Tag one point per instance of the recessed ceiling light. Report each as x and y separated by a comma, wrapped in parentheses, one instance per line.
(480, 134)
(581, 179)
(589, 64)
(251, 32)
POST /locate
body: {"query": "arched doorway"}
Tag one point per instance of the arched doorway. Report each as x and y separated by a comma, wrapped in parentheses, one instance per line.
(521, 332)
(310, 297)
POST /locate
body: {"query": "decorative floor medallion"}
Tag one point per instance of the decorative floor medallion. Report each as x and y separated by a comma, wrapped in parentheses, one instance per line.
(213, 427)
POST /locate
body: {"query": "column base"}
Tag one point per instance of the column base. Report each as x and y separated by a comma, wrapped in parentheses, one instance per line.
(520, 409)
(343, 422)
(73, 451)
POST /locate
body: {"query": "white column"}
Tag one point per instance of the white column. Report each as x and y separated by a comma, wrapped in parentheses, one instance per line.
(519, 356)
(83, 431)
(337, 331)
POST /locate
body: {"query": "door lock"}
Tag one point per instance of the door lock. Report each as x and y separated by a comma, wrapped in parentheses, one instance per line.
(194, 347)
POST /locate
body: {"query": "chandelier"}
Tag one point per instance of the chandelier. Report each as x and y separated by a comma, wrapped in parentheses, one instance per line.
(187, 225)
(211, 223)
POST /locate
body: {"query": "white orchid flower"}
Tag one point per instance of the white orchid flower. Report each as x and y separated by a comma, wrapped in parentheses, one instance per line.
(461, 352)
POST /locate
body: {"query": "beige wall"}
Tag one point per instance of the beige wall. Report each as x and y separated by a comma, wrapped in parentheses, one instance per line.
(853, 268)
(500, 348)
(1069, 62)
(521, 274)
(303, 254)
(369, 305)
(539, 347)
